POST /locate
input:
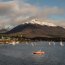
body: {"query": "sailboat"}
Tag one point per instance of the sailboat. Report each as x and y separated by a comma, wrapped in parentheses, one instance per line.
(17, 42)
(27, 43)
(49, 43)
(61, 43)
(32, 44)
(13, 43)
(53, 43)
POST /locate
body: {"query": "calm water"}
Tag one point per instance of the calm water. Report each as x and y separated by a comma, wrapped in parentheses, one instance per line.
(22, 54)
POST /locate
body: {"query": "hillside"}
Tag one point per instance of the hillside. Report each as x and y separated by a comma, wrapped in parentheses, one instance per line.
(36, 30)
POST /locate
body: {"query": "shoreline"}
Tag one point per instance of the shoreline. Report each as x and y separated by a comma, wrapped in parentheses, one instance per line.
(8, 41)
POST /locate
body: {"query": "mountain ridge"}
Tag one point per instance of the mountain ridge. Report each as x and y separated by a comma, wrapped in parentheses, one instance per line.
(36, 30)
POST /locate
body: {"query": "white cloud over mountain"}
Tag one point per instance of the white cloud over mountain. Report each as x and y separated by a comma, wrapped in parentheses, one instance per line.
(14, 12)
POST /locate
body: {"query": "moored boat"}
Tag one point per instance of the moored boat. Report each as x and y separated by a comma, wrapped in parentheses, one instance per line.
(39, 52)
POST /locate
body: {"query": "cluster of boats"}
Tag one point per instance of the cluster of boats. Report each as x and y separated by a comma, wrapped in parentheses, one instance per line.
(61, 43)
(43, 52)
(13, 42)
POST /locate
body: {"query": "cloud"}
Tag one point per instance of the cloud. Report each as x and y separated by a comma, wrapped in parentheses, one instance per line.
(53, 10)
(49, 11)
(15, 12)
(7, 8)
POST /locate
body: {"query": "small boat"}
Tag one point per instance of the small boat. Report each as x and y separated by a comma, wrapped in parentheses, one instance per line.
(32, 44)
(53, 43)
(27, 43)
(49, 43)
(39, 52)
(17, 42)
(61, 43)
(13, 43)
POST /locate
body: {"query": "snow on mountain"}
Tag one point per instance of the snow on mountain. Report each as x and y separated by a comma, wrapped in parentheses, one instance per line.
(9, 27)
(36, 21)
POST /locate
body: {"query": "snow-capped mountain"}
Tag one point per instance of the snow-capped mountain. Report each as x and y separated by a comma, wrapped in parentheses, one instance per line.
(36, 30)
(37, 21)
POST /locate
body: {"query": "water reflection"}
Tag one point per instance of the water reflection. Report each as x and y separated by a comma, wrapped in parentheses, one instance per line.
(22, 54)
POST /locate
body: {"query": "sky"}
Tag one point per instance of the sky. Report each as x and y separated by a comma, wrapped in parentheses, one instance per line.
(15, 12)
